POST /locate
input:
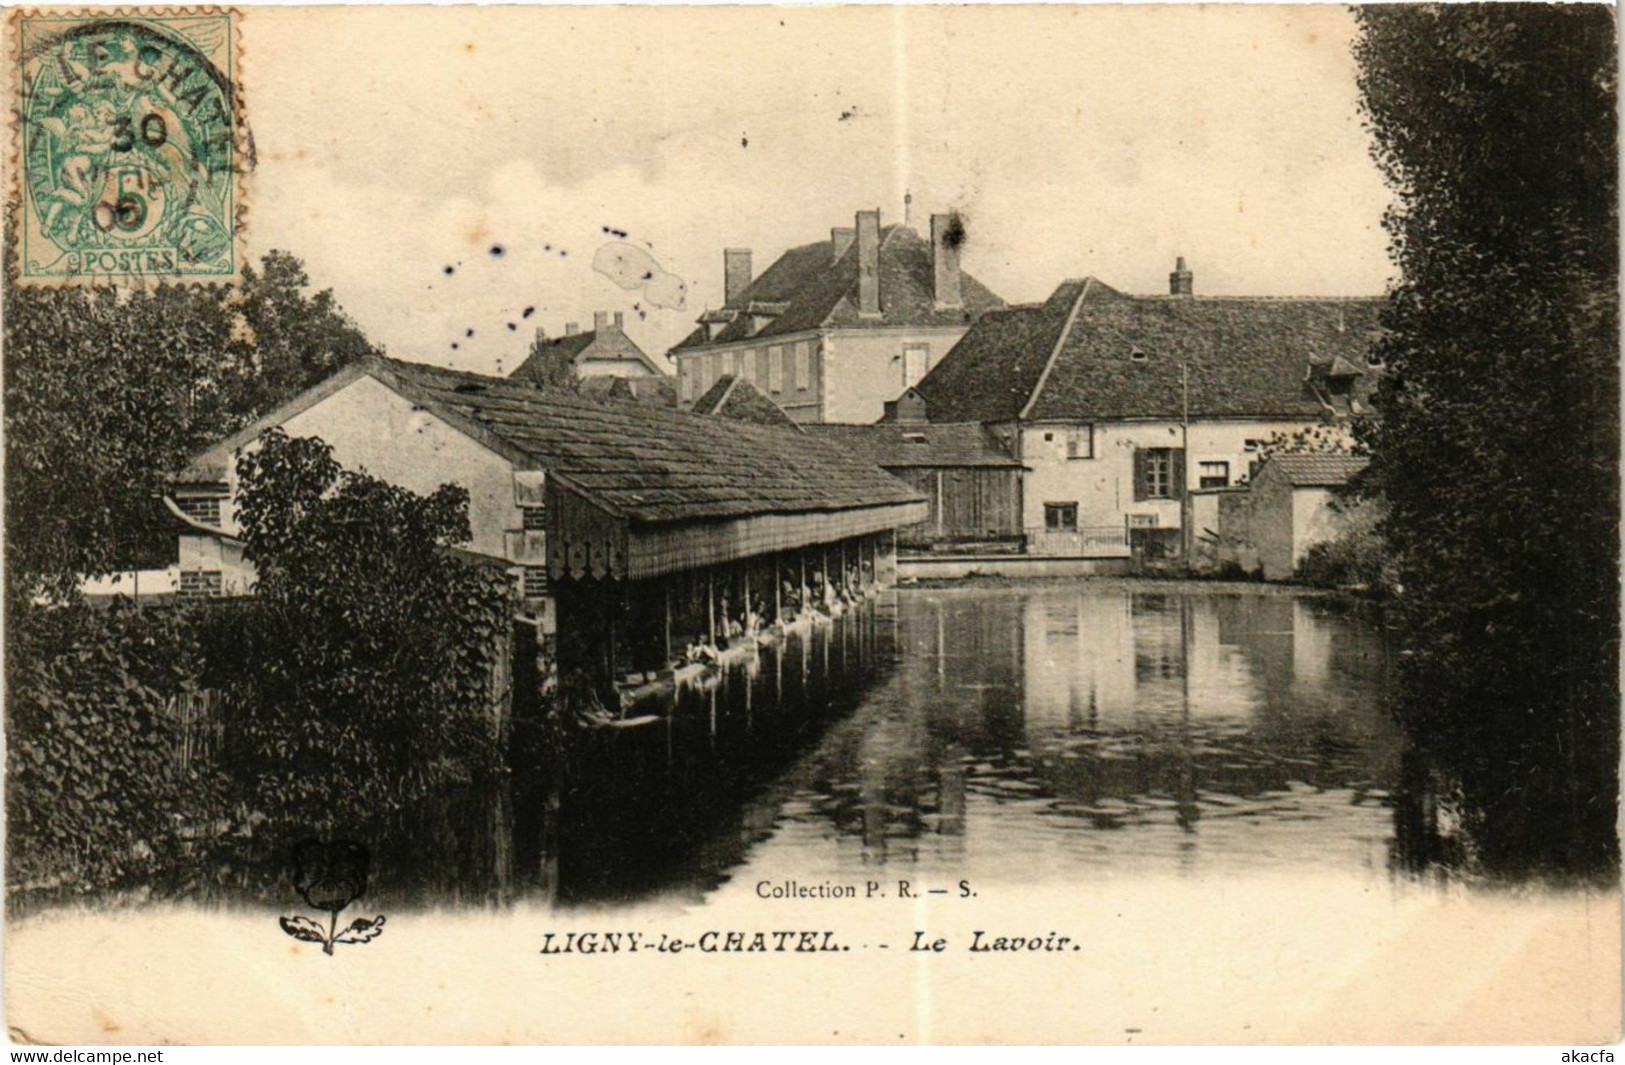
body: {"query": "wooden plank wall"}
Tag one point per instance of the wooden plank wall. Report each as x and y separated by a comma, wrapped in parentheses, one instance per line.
(966, 504)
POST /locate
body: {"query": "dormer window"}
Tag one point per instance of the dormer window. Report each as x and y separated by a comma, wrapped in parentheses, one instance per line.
(1136, 355)
(913, 438)
(1373, 360)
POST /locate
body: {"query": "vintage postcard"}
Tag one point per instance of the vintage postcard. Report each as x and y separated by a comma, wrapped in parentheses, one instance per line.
(852, 524)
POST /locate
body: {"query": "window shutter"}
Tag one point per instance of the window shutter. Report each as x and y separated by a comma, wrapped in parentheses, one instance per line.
(1140, 488)
(1178, 465)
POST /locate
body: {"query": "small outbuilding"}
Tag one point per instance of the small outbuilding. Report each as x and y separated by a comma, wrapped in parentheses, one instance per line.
(1291, 503)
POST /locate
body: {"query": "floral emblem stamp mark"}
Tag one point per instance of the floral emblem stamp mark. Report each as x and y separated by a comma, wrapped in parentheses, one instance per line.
(330, 876)
(128, 146)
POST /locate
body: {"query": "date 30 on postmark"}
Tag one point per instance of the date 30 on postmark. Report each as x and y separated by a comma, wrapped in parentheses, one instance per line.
(129, 151)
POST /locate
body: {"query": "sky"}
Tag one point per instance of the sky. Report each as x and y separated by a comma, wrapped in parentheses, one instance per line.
(511, 144)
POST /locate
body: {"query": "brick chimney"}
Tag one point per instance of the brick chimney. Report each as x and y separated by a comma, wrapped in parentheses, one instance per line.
(1179, 282)
(947, 234)
(620, 321)
(868, 227)
(600, 321)
(571, 329)
(840, 239)
(735, 273)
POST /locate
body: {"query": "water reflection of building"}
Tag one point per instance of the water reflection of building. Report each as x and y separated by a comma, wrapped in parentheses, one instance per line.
(1082, 659)
(1043, 732)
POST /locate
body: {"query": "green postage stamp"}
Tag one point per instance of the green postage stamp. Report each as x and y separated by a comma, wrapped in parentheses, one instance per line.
(129, 146)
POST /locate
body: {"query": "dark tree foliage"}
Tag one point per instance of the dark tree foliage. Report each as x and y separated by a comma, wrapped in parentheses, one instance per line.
(362, 677)
(103, 396)
(548, 367)
(289, 340)
(96, 795)
(1497, 449)
(106, 394)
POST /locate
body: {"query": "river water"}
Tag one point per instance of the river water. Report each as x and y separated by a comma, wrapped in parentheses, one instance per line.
(1039, 733)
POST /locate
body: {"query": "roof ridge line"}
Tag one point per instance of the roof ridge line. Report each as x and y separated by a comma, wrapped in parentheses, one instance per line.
(1055, 352)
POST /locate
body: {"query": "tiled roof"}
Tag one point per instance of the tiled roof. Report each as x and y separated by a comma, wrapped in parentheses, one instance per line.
(575, 347)
(732, 397)
(899, 445)
(1091, 353)
(1305, 470)
(647, 464)
(570, 347)
(815, 290)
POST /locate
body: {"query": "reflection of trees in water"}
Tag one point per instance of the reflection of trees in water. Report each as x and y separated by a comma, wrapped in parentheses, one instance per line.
(1037, 703)
(1504, 780)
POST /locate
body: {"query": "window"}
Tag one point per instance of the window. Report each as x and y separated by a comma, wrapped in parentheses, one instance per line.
(1136, 355)
(1061, 516)
(747, 367)
(916, 358)
(535, 582)
(775, 369)
(1080, 442)
(803, 367)
(1214, 474)
(1159, 473)
(534, 518)
(685, 380)
(1142, 521)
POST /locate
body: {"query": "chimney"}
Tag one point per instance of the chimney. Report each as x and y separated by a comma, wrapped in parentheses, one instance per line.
(1179, 282)
(868, 227)
(620, 321)
(840, 239)
(947, 234)
(571, 329)
(541, 335)
(735, 273)
(600, 321)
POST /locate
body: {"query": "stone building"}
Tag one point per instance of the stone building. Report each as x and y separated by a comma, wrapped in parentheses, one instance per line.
(1119, 406)
(832, 330)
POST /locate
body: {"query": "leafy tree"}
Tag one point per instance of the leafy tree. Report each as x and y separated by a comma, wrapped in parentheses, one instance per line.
(95, 795)
(106, 394)
(549, 367)
(1498, 443)
(363, 675)
(288, 340)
